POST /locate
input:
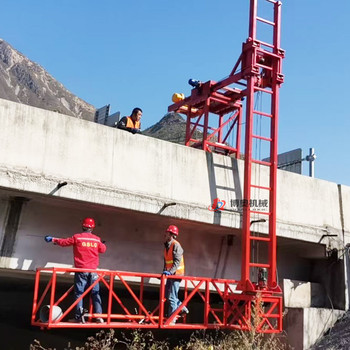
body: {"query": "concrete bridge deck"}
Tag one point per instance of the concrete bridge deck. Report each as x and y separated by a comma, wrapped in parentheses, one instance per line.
(125, 182)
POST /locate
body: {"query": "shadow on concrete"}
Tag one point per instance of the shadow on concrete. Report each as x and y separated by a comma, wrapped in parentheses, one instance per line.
(214, 186)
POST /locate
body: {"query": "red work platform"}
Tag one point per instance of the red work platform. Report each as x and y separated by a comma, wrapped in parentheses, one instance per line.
(213, 303)
(207, 99)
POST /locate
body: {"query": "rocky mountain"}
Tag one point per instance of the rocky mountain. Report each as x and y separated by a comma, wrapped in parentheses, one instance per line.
(24, 81)
(172, 127)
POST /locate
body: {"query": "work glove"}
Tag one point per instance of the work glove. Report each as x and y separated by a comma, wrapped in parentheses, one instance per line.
(48, 239)
(166, 273)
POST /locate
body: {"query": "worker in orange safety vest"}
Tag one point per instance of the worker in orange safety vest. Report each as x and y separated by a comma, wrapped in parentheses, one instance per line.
(173, 265)
(132, 123)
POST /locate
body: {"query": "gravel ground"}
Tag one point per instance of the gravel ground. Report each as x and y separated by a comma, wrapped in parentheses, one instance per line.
(337, 338)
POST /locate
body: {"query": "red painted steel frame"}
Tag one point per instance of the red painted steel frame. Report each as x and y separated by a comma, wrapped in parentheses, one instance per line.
(259, 71)
(213, 303)
(223, 306)
(263, 75)
(205, 100)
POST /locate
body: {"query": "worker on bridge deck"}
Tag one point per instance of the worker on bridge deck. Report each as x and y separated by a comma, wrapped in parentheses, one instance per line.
(86, 249)
(173, 265)
(132, 123)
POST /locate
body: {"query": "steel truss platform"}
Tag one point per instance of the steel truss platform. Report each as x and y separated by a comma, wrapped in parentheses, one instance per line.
(131, 301)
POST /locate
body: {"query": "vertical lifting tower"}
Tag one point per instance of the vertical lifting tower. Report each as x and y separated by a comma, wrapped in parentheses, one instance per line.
(257, 74)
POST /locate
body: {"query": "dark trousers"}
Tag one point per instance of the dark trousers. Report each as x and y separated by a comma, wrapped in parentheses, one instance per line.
(83, 280)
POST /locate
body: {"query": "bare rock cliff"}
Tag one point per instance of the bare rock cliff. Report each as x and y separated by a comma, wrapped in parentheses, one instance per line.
(24, 81)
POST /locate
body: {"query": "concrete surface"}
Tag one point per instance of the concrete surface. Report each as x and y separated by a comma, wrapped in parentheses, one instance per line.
(108, 166)
(303, 294)
(307, 325)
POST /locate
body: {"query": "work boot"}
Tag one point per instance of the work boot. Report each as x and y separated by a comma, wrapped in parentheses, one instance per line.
(173, 322)
(99, 320)
(80, 316)
(183, 313)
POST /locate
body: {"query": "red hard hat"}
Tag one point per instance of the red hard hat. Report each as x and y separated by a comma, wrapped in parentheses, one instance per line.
(89, 223)
(173, 229)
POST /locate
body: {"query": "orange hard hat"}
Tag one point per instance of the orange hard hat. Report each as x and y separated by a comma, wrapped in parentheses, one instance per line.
(173, 229)
(89, 223)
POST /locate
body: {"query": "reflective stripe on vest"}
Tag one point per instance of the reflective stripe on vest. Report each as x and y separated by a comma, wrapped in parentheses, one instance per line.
(130, 123)
(168, 258)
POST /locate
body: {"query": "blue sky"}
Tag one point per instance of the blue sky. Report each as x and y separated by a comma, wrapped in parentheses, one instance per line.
(138, 53)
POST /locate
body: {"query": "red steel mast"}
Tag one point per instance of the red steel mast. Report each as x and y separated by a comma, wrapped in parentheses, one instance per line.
(257, 74)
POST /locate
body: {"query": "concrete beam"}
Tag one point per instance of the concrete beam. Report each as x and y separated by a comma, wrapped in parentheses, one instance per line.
(305, 326)
(103, 165)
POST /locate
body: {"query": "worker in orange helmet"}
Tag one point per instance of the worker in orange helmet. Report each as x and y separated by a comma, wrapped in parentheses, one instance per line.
(86, 250)
(173, 265)
(132, 123)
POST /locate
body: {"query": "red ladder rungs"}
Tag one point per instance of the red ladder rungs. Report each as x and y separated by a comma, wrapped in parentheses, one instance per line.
(268, 53)
(259, 265)
(261, 162)
(263, 66)
(263, 114)
(256, 88)
(257, 238)
(265, 44)
(261, 187)
(262, 138)
(265, 21)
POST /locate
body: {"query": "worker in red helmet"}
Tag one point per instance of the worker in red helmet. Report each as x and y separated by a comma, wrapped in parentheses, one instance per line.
(173, 265)
(86, 249)
(132, 123)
